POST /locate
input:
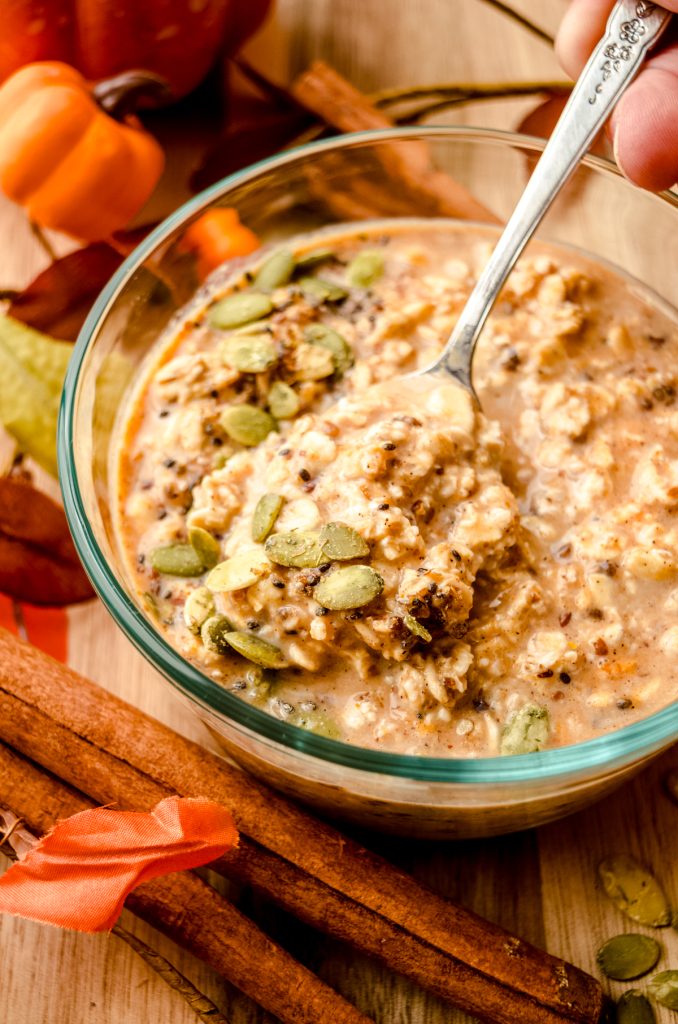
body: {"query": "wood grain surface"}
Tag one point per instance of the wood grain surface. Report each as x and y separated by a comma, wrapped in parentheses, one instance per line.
(540, 884)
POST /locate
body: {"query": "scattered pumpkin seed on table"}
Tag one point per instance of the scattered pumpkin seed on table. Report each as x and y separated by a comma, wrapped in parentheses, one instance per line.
(265, 514)
(341, 543)
(213, 634)
(365, 268)
(327, 337)
(664, 988)
(239, 309)
(624, 957)
(352, 586)
(299, 549)
(177, 560)
(416, 627)
(247, 424)
(199, 606)
(249, 353)
(261, 652)
(205, 545)
(242, 570)
(634, 1008)
(634, 890)
(276, 271)
(283, 401)
(324, 291)
(526, 731)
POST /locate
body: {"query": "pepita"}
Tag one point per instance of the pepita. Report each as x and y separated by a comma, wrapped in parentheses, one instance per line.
(238, 572)
(247, 424)
(365, 268)
(239, 309)
(257, 650)
(317, 722)
(634, 1008)
(322, 291)
(254, 686)
(313, 362)
(276, 271)
(198, 608)
(299, 549)
(341, 543)
(177, 560)
(205, 545)
(634, 890)
(628, 956)
(664, 988)
(526, 731)
(213, 633)
(265, 514)
(249, 353)
(314, 258)
(283, 401)
(416, 627)
(352, 586)
(326, 337)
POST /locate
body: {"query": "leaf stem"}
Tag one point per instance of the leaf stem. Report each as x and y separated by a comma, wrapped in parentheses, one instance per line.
(522, 20)
(43, 241)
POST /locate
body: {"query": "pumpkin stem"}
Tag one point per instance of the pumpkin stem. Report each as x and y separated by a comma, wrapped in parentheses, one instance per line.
(124, 93)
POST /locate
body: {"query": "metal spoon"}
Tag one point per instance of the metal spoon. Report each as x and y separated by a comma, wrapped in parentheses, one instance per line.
(634, 26)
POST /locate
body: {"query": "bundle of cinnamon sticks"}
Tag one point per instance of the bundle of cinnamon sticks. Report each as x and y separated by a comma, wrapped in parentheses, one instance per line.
(65, 744)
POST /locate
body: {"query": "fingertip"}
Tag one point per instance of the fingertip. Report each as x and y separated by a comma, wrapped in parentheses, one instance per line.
(581, 28)
(646, 131)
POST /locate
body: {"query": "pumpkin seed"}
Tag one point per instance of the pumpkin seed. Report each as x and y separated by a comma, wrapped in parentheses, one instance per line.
(634, 1008)
(283, 401)
(241, 308)
(254, 686)
(276, 271)
(526, 731)
(315, 257)
(365, 268)
(317, 722)
(350, 587)
(628, 956)
(664, 988)
(247, 424)
(249, 353)
(257, 650)
(671, 784)
(341, 543)
(205, 545)
(634, 890)
(326, 337)
(313, 362)
(150, 604)
(198, 608)
(321, 290)
(416, 627)
(265, 515)
(177, 560)
(299, 549)
(239, 572)
(256, 327)
(213, 633)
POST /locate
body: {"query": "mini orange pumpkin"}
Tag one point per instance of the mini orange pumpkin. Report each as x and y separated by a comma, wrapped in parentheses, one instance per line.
(71, 166)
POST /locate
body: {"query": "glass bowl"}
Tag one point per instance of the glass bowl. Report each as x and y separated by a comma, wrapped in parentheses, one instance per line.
(367, 174)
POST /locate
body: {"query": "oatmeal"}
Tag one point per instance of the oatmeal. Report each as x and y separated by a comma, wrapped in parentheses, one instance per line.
(378, 560)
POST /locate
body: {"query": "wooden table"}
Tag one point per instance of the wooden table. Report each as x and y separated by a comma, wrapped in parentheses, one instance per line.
(540, 884)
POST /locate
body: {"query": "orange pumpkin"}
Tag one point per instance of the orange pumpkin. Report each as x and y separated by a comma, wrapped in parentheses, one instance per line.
(72, 167)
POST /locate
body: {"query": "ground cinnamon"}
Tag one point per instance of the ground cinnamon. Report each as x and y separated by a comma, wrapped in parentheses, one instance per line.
(113, 752)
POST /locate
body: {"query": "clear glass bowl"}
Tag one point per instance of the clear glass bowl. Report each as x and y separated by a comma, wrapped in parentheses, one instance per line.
(299, 190)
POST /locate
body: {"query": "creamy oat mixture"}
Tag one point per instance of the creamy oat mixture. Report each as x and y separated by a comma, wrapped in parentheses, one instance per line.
(381, 562)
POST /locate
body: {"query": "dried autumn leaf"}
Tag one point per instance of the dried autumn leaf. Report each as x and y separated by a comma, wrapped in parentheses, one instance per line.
(38, 561)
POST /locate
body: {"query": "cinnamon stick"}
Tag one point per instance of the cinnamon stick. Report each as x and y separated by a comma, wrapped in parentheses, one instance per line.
(114, 752)
(190, 912)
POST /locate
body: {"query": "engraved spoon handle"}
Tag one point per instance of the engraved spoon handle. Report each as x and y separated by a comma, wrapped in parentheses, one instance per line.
(633, 27)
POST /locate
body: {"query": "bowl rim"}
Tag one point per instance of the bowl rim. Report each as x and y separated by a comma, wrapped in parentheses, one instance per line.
(623, 745)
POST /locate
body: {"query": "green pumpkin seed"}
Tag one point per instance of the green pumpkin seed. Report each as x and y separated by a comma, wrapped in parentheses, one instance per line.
(341, 543)
(671, 784)
(247, 424)
(634, 890)
(350, 587)
(317, 722)
(205, 545)
(628, 956)
(265, 514)
(314, 258)
(634, 1008)
(322, 291)
(326, 337)
(313, 362)
(276, 271)
(198, 608)
(257, 686)
(257, 650)
(177, 560)
(213, 633)
(416, 627)
(526, 731)
(249, 353)
(150, 604)
(241, 308)
(298, 549)
(239, 572)
(365, 268)
(283, 401)
(664, 988)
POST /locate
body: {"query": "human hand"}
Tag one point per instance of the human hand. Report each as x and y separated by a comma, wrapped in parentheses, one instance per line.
(644, 125)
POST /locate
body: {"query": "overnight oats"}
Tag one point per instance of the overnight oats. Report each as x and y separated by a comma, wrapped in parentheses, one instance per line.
(375, 559)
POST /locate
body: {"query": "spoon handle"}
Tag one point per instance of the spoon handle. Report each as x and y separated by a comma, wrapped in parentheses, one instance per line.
(633, 27)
